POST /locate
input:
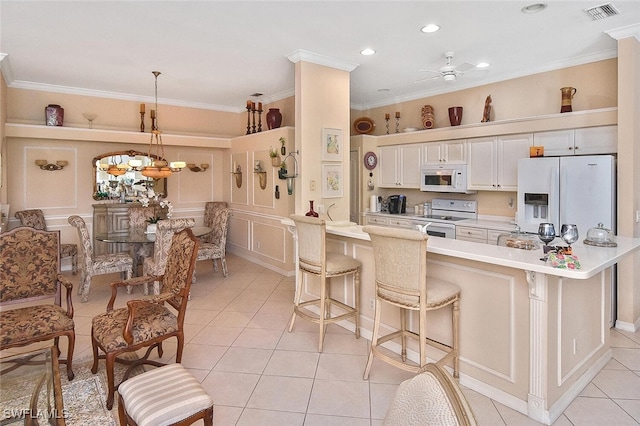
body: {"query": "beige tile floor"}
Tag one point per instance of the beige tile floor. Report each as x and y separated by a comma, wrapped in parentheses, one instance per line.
(259, 374)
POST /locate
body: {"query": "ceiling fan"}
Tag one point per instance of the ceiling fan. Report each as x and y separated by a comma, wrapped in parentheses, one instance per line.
(449, 72)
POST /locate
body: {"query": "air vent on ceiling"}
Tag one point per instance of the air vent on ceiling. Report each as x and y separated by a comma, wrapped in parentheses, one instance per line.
(602, 11)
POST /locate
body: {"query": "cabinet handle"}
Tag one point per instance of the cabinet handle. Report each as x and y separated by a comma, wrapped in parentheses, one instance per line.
(570, 148)
(577, 148)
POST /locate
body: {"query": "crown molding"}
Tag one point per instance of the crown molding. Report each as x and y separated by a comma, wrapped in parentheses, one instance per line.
(5, 68)
(632, 30)
(316, 58)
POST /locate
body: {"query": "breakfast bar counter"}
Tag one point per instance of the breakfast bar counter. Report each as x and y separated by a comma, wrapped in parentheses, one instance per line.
(532, 336)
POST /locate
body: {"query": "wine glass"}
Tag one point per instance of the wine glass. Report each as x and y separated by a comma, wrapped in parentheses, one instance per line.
(546, 233)
(90, 117)
(569, 233)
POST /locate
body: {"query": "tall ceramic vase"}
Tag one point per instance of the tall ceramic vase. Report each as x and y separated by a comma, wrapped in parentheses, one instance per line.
(274, 118)
(455, 115)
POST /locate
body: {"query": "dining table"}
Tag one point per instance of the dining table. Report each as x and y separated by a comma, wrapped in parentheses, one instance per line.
(137, 236)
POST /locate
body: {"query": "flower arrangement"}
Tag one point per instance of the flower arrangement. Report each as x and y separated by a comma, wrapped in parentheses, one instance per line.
(273, 153)
(146, 199)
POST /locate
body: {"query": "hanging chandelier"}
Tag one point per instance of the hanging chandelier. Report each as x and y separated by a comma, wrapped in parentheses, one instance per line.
(159, 167)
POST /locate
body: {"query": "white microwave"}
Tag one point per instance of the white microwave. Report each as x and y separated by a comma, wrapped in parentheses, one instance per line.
(443, 178)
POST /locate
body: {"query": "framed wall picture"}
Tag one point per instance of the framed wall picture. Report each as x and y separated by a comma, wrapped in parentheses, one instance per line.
(332, 144)
(332, 181)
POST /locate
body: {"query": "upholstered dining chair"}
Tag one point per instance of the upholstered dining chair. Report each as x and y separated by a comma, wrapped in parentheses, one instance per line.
(155, 265)
(400, 257)
(313, 259)
(432, 398)
(138, 217)
(213, 245)
(30, 270)
(35, 219)
(146, 323)
(91, 265)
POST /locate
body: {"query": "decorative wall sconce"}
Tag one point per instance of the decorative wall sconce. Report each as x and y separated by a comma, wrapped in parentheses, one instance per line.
(50, 166)
(237, 172)
(203, 167)
(262, 175)
(290, 178)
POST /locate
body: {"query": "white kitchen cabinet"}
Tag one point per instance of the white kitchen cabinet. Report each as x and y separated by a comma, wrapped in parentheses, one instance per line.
(476, 235)
(596, 140)
(493, 161)
(452, 152)
(376, 220)
(586, 141)
(399, 166)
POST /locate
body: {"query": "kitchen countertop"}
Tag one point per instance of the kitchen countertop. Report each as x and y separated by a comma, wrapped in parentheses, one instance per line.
(592, 259)
(502, 225)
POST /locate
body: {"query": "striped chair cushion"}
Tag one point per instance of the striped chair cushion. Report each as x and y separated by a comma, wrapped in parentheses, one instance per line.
(163, 396)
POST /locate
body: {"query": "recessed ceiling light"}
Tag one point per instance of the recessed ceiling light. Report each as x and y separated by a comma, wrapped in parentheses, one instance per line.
(431, 28)
(534, 8)
(367, 52)
(482, 65)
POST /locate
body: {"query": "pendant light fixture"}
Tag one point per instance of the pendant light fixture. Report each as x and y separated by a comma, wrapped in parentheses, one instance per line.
(159, 167)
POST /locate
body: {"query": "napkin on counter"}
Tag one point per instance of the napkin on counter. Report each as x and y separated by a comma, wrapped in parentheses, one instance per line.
(564, 261)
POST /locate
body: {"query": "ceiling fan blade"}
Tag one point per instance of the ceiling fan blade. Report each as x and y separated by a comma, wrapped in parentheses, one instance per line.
(465, 67)
(427, 79)
(433, 71)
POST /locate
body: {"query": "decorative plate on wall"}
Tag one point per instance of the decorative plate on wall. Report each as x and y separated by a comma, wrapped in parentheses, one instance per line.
(364, 125)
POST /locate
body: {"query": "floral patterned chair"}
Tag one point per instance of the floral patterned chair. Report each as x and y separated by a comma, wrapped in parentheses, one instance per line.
(91, 265)
(35, 219)
(211, 218)
(138, 218)
(30, 269)
(146, 323)
(214, 245)
(155, 265)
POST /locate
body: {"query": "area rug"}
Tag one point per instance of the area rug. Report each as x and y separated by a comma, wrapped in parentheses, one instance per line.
(84, 398)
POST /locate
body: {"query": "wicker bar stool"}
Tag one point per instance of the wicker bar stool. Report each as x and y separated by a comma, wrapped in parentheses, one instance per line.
(313, 259)
(401, 280)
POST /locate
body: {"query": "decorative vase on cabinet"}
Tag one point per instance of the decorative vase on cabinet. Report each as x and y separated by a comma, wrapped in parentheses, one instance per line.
(274, 118)
(311, 212)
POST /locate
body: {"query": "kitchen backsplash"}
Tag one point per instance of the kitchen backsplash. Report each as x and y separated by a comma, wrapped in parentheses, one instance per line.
(489, 203)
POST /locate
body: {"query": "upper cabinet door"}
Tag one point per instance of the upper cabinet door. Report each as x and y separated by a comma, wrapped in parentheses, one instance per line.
(456, 152)
(596, 140)
(481, 171)
(555, 143)
(453, 152)
(388, 164)
(510, 149)
(410, 165)
(400, 166)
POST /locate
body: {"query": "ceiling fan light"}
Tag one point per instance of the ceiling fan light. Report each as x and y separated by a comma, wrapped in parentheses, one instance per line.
(367, 52)
(449, 77)
(482, 65)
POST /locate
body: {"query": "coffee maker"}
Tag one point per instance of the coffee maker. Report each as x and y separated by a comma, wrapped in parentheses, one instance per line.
(397, 204)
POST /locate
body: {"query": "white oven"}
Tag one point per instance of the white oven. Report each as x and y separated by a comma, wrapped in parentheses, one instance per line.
(436, 229)
(443, 178)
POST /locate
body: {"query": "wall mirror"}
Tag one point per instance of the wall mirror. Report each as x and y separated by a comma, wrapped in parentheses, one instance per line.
(116, 175)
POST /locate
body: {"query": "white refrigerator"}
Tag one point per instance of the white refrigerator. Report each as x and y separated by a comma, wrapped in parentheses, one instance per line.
(578, 189)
